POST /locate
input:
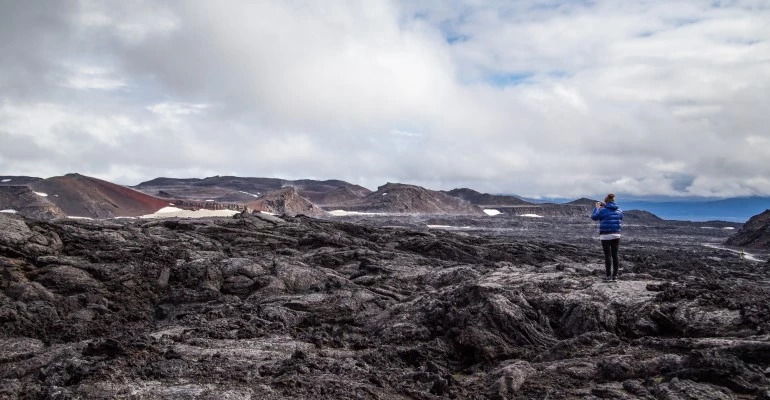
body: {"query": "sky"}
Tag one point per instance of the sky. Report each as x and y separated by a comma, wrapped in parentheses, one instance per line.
(539, 98)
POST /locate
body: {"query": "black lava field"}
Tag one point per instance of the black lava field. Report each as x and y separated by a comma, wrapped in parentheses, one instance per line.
(263, 307)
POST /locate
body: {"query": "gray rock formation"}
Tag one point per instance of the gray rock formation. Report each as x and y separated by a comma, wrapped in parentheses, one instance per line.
(260, 307)
(25, 201)
(285, 201)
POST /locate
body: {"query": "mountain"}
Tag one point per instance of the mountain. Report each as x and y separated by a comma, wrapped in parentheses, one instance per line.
(286, 201)
(411, 199)
(486, 199)
(640, 216)
(242, 189)
(328, 192)
(83, 196)
(755, 233)
(583, 201)
(340, 195)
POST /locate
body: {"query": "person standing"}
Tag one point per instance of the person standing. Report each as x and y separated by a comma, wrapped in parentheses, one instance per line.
(610, 217)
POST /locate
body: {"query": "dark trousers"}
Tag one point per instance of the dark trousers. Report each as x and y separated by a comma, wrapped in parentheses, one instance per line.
(610, 248)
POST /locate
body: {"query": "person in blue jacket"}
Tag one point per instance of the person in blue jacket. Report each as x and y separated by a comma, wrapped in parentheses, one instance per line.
(610, 217)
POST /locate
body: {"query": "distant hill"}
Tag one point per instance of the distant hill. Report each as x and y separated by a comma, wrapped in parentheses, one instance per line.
(583, 202)
(640, 216)
(286, 201)
(340, 195)
(755, 233)
(83, 196)
(486, 199)
(243, 189)
(411, 199)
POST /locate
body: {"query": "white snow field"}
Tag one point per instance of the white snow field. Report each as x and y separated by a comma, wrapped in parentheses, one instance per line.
(171, 212)
(531, 216)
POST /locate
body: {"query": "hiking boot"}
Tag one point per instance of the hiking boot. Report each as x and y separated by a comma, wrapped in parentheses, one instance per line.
(613, 278)
(608, 278)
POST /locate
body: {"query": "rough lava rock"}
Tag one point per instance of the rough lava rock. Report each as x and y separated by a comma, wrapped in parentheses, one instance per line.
(261, 307)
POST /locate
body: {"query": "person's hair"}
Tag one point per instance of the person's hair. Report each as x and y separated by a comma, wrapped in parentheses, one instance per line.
(610, 198)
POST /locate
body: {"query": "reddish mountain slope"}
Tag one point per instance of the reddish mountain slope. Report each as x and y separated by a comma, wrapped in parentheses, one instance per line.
(83, 196)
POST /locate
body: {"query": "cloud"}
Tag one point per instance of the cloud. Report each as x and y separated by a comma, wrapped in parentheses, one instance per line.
(536, 98)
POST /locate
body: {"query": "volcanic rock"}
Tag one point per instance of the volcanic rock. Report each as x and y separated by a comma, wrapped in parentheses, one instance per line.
(26, 202)
(258, 306)
(285, 201)
(755, 233)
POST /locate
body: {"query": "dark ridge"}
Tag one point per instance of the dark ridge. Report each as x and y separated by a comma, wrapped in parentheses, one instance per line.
(755, 233)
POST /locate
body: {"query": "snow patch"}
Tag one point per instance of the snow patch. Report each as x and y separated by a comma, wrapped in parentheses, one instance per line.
(168, 210)
(41, 194)
(384, 193)
(250, 194)
(447, 227)
(729, 228)
(531, 215)
(342, 213)
(5, 180)
(76, 217)
(491, 211)
(8, 211)
(190, 214)
(209, 200)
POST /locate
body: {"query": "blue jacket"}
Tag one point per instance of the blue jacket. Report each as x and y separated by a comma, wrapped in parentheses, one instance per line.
(609, 218)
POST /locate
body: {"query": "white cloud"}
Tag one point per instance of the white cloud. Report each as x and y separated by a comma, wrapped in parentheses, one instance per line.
(526, 97)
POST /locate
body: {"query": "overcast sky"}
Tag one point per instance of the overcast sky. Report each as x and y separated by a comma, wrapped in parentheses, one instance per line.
(536, 98)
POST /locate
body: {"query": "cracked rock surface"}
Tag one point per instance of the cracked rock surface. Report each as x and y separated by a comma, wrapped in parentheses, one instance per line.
(260, 307)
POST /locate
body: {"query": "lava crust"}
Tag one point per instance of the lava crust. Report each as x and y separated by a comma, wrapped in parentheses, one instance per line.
(260, 307)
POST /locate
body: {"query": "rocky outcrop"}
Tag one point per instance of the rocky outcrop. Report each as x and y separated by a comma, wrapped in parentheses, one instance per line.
(84, 196)
(486, 199)
(285, 201)
(411, 199)
(755, 233)
(23, 200)
(257, 306)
